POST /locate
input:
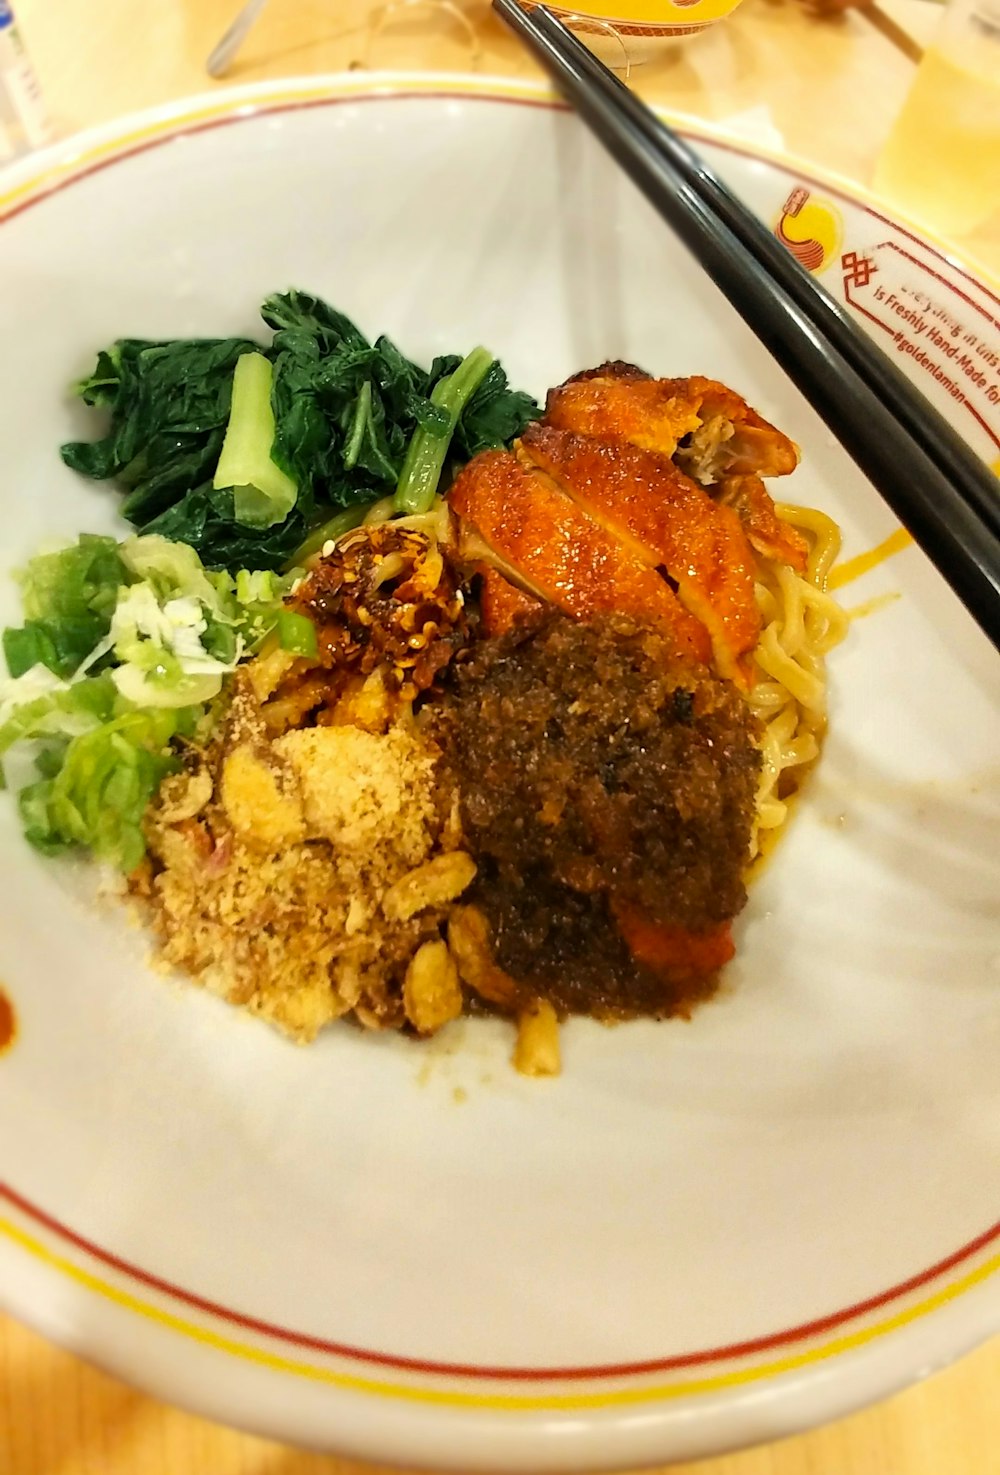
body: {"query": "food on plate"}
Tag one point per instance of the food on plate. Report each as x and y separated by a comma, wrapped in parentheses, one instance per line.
(407, 700)
(243, 466)
(606, 789)
(124, 649)
(708, 431)
(305, 875)
(662, 526)
(516, 519)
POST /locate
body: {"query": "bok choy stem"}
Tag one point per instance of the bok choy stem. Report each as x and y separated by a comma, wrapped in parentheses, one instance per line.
(263, 494)
(425, 455)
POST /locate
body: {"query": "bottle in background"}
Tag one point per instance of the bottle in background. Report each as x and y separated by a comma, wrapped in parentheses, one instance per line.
(941, 163)
(24, 123)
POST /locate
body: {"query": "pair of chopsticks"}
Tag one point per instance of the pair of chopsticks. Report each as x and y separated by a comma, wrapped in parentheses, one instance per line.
(940, 490)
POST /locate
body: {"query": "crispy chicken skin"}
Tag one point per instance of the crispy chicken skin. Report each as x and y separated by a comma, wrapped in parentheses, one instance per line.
(707, 429)
(625, 405)
(667, 521)
(731, 439)
(621, 400)
(550, 547)
(501, 603)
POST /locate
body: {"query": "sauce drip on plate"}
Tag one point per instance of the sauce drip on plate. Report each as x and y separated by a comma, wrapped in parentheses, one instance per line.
(863, 563)
(8, 1022)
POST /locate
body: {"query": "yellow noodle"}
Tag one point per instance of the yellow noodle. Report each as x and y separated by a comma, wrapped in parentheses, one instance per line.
(379, 512)
(802, 624)
(825, 537)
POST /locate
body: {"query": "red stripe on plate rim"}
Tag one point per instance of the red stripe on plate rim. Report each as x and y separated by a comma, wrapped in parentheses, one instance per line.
(749, 1348)
(178, 128)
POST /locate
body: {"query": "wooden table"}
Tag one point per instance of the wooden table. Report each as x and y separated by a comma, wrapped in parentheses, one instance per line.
(830, 89)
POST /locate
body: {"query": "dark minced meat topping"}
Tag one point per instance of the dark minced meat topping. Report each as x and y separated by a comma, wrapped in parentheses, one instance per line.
(595, 771)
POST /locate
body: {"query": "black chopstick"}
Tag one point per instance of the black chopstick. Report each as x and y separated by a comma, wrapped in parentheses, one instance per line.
(928, 428)
(939, 489)
(925, 424)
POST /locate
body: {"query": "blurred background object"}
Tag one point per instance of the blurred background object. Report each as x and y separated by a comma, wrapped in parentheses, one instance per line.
(224, 53)
(622, 32)
(646, 27)
(941, 163)
(773, 73)
(23, 121)
(398, 32)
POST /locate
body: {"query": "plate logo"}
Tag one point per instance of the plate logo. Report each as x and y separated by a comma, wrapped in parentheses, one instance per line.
(810, 227)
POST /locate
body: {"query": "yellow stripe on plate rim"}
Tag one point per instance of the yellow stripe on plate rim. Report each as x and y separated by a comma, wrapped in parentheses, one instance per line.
(512, 1402)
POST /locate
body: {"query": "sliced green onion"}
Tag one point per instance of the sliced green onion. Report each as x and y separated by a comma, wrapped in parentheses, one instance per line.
(425, 455)
(296, 633)
(27, 646)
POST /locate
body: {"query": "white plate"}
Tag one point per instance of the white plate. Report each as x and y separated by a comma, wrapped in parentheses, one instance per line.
(703, 1234)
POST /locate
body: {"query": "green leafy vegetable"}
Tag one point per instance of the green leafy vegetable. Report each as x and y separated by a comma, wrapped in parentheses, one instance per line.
(40, 705)
(425, 458)
(494, 416)
(172, 569)
(235, 460)
(169, 404)
(180, 628)
(97, 716)
(346, 411)
(205, 519)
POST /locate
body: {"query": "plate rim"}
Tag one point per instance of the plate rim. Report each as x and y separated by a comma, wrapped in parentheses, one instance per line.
(972, 1250)
(45, 170)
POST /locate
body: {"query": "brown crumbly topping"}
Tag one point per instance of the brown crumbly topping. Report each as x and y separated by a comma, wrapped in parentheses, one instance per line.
(370, 795)
(272, 896)
(564, 819)
(271, 856)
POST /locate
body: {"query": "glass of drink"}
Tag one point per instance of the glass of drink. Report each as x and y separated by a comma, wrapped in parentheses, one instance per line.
(941, 163)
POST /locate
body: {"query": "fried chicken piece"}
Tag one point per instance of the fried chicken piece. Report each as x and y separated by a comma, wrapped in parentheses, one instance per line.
(549, 546)
(667, 521)
(708, 430)
(769, 534)
(620, 402)
(731, 438)
(501, 603)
